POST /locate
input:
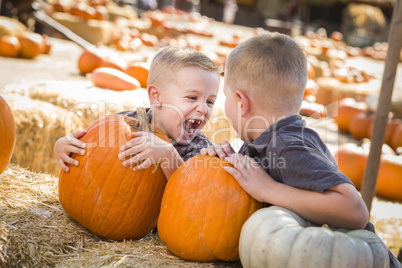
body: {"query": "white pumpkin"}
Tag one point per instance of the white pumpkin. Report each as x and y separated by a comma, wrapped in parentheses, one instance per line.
(276, 237)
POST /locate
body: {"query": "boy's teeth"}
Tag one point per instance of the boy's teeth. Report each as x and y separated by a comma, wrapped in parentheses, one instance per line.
(191, 120)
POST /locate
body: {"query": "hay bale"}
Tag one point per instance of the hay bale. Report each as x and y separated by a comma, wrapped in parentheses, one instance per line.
(12, 27)
(35, 231)
(38, 125)
(82, 98)
(93, 31)
(331, 90)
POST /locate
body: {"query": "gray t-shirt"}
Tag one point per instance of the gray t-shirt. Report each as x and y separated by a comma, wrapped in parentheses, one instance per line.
(185, 151)
(294, 154)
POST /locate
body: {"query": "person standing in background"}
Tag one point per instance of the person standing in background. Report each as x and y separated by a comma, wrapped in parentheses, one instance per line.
(229, 11)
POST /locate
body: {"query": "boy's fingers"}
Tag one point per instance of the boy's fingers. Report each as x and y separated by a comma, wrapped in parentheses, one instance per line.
(63, 165)
(211, 150)
(203, 151)
(69, 160)
(75, 150)
(235, 173)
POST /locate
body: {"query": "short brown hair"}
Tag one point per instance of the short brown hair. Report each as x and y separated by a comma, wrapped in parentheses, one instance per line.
(172, 58)
(271, 67)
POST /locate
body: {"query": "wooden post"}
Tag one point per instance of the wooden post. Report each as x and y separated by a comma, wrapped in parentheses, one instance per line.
(384, 105)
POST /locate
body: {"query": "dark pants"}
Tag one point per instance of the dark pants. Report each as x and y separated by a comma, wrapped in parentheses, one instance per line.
(393, 262)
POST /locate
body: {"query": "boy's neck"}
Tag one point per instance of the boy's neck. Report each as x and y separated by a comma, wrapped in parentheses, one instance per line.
(261, 122)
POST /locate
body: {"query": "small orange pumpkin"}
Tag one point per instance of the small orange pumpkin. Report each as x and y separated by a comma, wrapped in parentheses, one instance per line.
(10, 46)
(351, 162)
(203, 210)
(113, 79)
(88, 61)
(347, 108)
(392, 125)
(31, 45)
(140, 71)
(7, 134)
(101, 194)
(360, 123)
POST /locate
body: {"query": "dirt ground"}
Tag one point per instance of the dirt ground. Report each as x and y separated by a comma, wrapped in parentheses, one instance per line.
(61, 65)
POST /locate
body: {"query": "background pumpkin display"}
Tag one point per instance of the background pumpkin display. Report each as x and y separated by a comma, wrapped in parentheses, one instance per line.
(352, 162)
(101, 194)
(111, 78)
(7, 134)
(203, 210)
(275, 237)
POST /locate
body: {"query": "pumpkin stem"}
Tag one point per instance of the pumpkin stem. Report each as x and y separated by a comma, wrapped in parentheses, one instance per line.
(142, 123)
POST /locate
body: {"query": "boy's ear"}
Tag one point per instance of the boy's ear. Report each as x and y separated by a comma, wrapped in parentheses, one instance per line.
(154, 96)
(244, 102)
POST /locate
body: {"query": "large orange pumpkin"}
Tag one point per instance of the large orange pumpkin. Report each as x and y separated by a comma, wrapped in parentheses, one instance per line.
(347, 108)
(7, 134)
(203, 210)
(101, 194)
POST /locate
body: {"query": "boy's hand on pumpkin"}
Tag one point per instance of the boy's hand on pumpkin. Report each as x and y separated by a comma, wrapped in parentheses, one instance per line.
(65, 146)
(249, 174)
(222, 150)
(143, 150)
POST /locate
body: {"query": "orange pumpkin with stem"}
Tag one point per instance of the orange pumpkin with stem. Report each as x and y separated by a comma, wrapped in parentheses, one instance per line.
(101, 194)
(203, 210)
(7, 134)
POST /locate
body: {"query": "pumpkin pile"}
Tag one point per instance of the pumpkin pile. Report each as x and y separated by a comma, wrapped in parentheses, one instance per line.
(352, 161)
(101, 194)
(355, 118)
(17, 41)
(202, 212)
(110, 72)
(276, 237)
(7, 134)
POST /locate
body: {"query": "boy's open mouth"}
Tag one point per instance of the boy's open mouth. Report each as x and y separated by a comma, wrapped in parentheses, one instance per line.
(191, 125)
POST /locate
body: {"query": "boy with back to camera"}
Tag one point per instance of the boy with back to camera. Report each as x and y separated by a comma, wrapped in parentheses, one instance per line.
(182, 88)
(282, 162)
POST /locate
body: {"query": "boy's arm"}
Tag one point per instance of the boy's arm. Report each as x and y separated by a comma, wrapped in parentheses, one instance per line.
(145, 149)
(338, 206)
(67, 145)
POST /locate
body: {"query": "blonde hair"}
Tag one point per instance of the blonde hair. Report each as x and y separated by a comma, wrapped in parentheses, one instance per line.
(173, 58)
(271, 68)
